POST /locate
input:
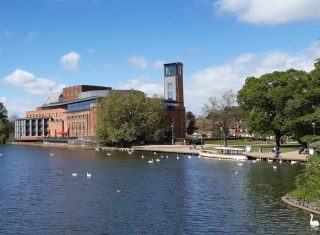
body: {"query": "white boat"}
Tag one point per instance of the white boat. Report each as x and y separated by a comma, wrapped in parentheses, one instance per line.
(225, 153)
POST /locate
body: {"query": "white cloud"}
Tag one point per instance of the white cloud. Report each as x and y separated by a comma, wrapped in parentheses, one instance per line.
(143, 83)
(29, 82)
(17, 106)
(70, 61)
(216, 80)
(271, 11)
(141, 63)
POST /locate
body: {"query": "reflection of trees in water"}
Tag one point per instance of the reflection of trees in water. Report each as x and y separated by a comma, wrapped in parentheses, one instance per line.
(265, 187)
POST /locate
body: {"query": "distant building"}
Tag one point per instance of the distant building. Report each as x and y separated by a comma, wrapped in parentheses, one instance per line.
(73, 112)
(174, 100)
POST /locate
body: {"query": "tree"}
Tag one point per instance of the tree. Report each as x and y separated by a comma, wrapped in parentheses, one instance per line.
(275, 101)
(3, 124)
(223, 113)
(127, 116)
(191, 125)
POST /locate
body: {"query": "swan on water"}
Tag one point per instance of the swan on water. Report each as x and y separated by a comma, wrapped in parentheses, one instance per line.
(270, 160)
(189, 156)
(313, 223)
(150, 161)
(240, 163)
(177, 157)
(51, 154)
(274, 167)
(157, 160)
(88, 175)
(293, 162)
(142, 156)
(74, 174)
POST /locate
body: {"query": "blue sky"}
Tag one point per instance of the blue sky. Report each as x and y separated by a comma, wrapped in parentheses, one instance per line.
(48, 44)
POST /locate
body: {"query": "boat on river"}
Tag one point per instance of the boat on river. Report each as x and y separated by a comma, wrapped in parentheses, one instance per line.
(225, 153)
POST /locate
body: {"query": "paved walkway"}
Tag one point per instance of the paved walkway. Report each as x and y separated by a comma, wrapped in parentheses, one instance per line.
(187, 149)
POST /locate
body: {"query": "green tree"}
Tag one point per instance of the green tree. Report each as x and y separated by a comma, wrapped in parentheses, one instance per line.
(309, 107)
(3, 124)
(192, 122)
(127, 116)
(222, 113)
(275, 101)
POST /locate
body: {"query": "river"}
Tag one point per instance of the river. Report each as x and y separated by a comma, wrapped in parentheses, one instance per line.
(128, 195)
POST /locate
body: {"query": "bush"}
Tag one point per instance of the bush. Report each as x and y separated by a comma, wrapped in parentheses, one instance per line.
(308, 183)
(308, 139)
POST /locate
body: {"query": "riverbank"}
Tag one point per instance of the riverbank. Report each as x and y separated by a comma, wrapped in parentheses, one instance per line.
(311, 207)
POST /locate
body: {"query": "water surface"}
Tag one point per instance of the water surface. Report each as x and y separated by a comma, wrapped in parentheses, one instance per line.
(39, 195)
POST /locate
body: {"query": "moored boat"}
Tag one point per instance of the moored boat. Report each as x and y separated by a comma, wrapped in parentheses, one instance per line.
(225, 153)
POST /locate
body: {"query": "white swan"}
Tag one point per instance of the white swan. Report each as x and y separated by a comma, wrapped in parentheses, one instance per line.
(189, 156)
(74, 174)
(157, 160)
(88, 175)
(0, 154)
(240, 163)
(177, 157)
(108, 154)
(270, 160)
(151, 161)
(293, 162)
(154, 153)
(142, 156)
(274, 167)
(313, 223)
(51, 154)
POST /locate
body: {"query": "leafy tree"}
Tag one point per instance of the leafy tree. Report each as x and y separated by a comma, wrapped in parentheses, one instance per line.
(223, 113)
(3, 124)
(127, 116)
(275, 101)
(309, 106)
(192, 121)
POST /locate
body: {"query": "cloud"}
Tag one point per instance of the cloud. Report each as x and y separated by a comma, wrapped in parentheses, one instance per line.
(217, 79)
(31, 37)
(271, 11)
(144, 83)
(141, 63)
(70, 60)
(17, 106)
(29, 82)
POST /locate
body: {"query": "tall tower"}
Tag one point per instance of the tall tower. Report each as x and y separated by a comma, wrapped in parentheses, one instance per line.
(174, 101)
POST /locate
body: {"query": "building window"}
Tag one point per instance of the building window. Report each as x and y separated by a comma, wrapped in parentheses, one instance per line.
(170, 70)
(170, 91)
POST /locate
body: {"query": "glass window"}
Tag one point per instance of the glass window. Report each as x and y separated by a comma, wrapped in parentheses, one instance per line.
(170, 70)
(170, 91)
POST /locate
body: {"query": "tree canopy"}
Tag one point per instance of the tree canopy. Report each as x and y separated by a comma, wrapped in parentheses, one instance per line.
(3, 124)
(127, 116)
(278, 102)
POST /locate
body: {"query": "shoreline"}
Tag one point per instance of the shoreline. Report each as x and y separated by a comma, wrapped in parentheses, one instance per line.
(310, 207)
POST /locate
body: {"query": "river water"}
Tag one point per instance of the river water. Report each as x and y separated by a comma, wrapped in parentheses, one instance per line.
(127, 195)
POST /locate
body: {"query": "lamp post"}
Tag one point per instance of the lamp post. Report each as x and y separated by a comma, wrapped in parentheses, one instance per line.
(172, 133)
(313, 127)
(221, 135)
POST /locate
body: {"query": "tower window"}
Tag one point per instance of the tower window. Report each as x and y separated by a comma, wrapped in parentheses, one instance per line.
(170, 91)
(170, 70)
